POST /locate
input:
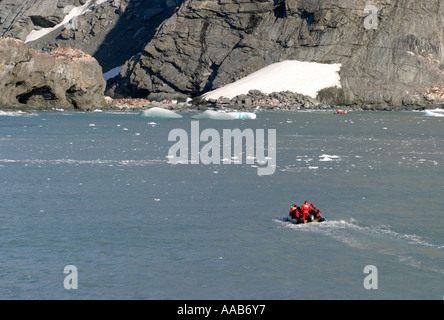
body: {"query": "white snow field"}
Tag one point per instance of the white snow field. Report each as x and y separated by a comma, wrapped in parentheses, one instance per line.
(306, 78)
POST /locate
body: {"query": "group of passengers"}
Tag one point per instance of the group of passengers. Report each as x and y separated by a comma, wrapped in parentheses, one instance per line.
(305, 213)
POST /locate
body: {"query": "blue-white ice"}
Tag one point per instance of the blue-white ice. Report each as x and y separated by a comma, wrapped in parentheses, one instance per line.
(156, 112)
(243, 115)
(435, 113)
(214, 115)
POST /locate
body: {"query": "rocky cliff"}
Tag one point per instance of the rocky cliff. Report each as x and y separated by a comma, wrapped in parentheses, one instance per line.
(391, 53)
(63, 78)
(109, 30)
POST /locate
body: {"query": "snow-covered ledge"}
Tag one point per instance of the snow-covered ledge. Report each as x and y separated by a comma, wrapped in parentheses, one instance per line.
(306, 78)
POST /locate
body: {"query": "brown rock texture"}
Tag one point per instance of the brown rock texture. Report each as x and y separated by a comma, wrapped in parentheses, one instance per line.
(64, 78)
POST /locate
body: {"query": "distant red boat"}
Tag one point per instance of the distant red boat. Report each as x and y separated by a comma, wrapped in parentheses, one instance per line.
(341, 111)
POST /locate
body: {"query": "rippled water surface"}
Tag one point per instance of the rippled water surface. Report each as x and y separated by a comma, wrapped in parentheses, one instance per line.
(95, 190)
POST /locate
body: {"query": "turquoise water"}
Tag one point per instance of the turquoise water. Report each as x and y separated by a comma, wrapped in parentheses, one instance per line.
(95, 190)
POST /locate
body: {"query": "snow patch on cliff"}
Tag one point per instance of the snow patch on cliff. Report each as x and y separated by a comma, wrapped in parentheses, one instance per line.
(306, 78)
(114, 72)
(73, 13)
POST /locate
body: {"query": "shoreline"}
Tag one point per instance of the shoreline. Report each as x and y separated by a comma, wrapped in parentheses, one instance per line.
(196, 108)
(253, 101)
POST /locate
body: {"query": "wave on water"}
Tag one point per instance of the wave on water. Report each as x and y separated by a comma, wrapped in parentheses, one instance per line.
(84, 162)
(334, 229)
(330, 227)
(409, 249)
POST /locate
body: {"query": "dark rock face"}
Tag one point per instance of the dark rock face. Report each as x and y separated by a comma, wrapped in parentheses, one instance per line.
(202, 45)
(64, 78)
(111, 31)
(208, 44)
(256, 99)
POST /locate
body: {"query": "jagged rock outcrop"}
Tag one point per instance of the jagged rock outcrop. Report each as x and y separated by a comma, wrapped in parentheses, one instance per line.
(208, 44)
(275, 100)
(111, 31)
(64, 78)
(18, 18)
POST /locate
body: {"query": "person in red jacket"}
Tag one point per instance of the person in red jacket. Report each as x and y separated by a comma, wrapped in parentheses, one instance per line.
(312, 211)
(305, 210)
(295, 213)
(315, 213)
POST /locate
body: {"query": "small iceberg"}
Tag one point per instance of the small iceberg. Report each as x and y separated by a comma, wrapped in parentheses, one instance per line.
(243, 115)
(217, 115)
(434, 113)
(15, 113)
(214, 115)
(157, 112)
(327, 157)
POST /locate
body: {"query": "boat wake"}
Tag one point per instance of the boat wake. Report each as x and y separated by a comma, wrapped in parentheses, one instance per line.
(408, 249)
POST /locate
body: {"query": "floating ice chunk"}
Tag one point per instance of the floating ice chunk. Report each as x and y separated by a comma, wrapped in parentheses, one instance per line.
(434, 113)
(326, 157)
(156, 112)
(214, 115)
(152, 124)
(243, 115)
(15, 113)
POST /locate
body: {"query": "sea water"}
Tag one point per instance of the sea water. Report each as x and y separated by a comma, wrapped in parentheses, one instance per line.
(96, 191)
